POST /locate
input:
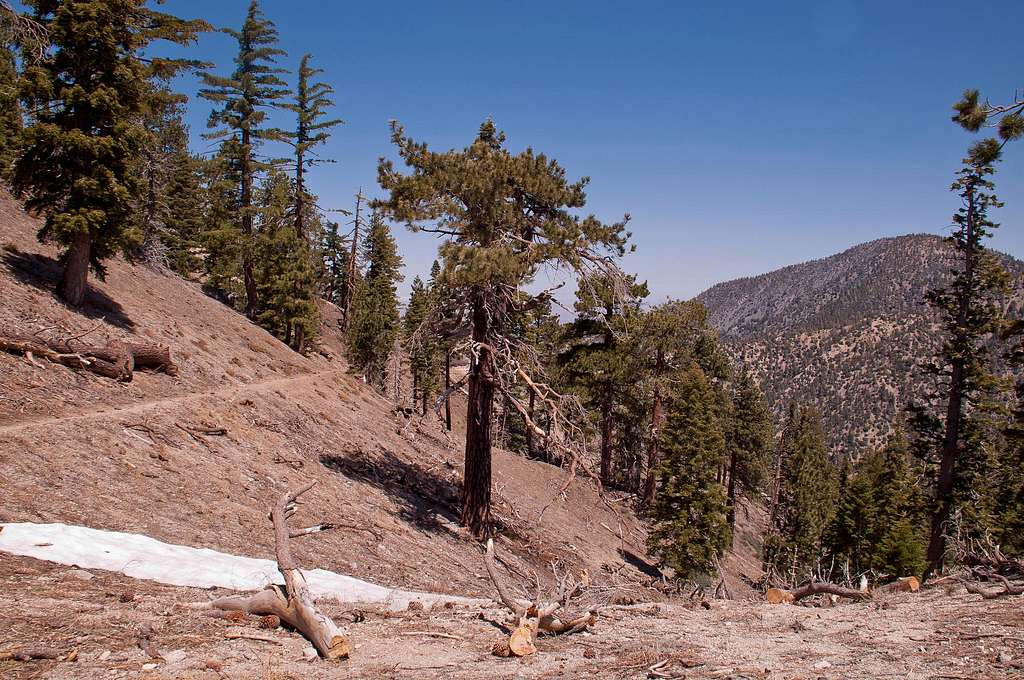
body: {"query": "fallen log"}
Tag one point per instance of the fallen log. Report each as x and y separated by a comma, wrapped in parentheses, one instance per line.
(1009, 590)
(116, 360)
(292, 604)
(778, 596)
(31, 655)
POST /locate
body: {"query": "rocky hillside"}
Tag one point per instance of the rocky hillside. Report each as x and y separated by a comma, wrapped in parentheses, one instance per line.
(844, 332)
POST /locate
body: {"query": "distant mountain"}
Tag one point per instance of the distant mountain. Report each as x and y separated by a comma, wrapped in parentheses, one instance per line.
(844, 333)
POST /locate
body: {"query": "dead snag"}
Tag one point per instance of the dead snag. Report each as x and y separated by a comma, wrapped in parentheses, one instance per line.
(1008, 589)
(292, 604)
(534, 617)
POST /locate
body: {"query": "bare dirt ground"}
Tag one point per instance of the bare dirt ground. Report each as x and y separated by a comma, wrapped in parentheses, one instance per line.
(81, 449)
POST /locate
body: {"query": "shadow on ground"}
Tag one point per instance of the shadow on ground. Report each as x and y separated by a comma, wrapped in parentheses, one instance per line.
(44, 272)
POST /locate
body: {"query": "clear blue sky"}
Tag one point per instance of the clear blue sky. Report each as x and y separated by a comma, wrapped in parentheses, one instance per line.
(741, 136)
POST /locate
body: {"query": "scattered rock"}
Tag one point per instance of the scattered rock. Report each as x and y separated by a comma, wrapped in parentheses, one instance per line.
(1005, 657)
(104, 655)
(80, 574)
(149, 666)
(309, 654)
(821, 665)
(177, 656)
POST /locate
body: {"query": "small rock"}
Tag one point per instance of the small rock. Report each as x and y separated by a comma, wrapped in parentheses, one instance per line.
(104, 656)
(1005, 657)
(309, 654)
(821, 665)
(80, 574)
(214, 665)
(177, 656)
(148, 666)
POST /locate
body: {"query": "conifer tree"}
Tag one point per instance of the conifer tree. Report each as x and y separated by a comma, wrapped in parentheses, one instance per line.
(375, 316)
(242, 100)
(952, 441)
(505, 216)
(805, 499)
(284, 269)
(689, 528)
(10, 110)
(88, 94)
(448, 314)
(312, 99)
(749, 441)
(593, 363)
(187, 205)
(1008, 119)
(334, 251)
(422, 346)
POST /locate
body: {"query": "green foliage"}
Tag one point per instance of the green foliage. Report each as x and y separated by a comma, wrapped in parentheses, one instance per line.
(335, 255)
(689, 528)
(805, 497)
(10, 111)
(88, 93)
(375, 319)
(879, 523)
(972, 115)
(421, 343)
(285, 275)
(750, 436)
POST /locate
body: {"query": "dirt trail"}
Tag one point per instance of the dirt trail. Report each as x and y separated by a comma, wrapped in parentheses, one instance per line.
(229, 391)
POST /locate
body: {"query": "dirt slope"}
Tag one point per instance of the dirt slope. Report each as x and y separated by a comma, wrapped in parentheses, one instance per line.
(82, 449)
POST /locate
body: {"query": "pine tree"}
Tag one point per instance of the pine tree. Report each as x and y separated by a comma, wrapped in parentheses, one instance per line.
(954, 443)
(805, 499)
(689, 528)
(187, 203)
(10, 110)
(375, 315)
(312, 99)
(243, 99)
(89, 92)
(421, 344)
(506, 216)
(749, 441)
(447, 314)
(284, 272)
(592, 363)
(972, 115)
(334, 252)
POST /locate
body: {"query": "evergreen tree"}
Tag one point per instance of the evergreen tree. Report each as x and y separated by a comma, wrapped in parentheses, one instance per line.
(447, 315)
(185, 216)
(88, 94)
(593, 364)
(506, 216)
(334, 251)
(242, 100)
(375, 315)
(954, 442)
(422, 345)
(312, 100)
(805, 499)
(221, 235)
(284, 270)
(10, 110)
(689, 528)
(972, 115)
(749, 441)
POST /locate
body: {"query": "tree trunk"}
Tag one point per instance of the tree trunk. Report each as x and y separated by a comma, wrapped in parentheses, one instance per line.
(350, 283)
(76, 271)
(415, 388)
(300, 339)
(300, 199)
(954, 414)
(657, 416)
(447, 387)
(248, 278)
(731, 495)
(607, 411)
(530, 448)
(476, 485)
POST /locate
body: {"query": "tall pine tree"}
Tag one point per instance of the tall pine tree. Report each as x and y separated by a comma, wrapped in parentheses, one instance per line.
(749, 440)
(242, 100)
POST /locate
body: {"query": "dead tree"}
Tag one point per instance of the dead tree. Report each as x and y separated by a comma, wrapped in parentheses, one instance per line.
(117, 360)
(532, 617)
(293, 603)
(1009, 590)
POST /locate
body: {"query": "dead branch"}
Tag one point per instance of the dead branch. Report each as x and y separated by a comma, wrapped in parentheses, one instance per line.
(293, 604)
(1008, 589)
(819, 588)
(30, 655)
(534, 617)
(247, 635)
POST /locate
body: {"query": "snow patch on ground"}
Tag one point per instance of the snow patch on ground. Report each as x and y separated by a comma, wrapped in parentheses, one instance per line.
(142, 557)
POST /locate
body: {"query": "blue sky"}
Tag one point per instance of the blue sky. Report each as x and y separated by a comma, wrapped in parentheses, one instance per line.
(741, 136)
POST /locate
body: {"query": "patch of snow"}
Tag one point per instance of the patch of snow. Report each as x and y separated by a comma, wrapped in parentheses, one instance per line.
(142, 557)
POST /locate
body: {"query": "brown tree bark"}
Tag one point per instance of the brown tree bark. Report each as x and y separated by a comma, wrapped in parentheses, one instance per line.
(476, 485)
(248, 278)
(607, 412)
(730, 515)
(657, 416)
(530, 446)
(447, 388)
(72, 285)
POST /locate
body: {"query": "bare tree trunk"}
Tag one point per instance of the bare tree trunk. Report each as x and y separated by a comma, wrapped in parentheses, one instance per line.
(730, 515)
(76, 271)
(531, 451)
(415, 389)
(657, 416)
(300, 339)
(248, 278)
(447, 388)
(476, 485)
(300, 197)
(350, 284)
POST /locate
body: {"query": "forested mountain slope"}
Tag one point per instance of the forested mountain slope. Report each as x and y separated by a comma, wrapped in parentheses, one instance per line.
(845, 332)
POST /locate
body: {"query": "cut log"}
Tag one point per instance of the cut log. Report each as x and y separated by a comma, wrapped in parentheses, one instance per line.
(292, 604)
(908, 584)
(779, 596)
(116, 360)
